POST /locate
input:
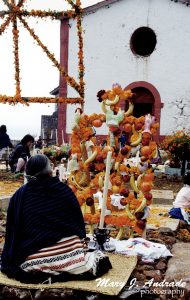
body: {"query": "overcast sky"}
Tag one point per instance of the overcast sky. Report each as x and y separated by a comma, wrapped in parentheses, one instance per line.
(38, 76)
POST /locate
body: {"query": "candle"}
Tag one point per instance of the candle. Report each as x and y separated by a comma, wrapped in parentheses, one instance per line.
(56, 137)
(105, 191)
(34, 151)
(63, 142)
(43, 133)
(61, 172)
(25, 179)
(51, 135)
(42, 148)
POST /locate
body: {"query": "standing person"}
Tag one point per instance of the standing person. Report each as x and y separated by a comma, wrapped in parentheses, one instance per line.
(39, 143)
(181, 205)
(185, 158)
(21, 153)
(45, 231)
(4, 140)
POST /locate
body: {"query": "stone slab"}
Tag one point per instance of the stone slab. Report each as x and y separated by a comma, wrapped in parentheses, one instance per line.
(173, 171)
(163, 194)
(159, 218)
(4, 202)
(179, 265)
(163, 202)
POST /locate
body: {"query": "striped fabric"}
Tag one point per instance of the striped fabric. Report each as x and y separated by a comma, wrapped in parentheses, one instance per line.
(67, 255)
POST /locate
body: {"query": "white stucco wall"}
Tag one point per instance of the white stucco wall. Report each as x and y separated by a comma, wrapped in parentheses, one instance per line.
(109, 59)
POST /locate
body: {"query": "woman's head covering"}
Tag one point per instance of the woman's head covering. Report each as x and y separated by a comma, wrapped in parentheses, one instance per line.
(38, 166)
(3, 129)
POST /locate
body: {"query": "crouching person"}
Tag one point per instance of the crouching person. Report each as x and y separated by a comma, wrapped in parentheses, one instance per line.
(21, 153)
(45, 231)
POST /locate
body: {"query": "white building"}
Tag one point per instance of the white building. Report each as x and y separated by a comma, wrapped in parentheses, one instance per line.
(143, 45)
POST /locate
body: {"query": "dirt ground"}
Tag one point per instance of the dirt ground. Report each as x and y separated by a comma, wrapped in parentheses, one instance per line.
(168, 183)
(164, 183)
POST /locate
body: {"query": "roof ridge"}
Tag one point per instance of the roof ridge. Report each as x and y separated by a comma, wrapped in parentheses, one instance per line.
(98, 5)
(104, 3)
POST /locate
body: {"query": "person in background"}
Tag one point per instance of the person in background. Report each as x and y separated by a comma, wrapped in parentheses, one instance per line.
(185, 158)
(181, 205)
(39, 143)
(123, 139)
(45, 231)
(4, 140)
(21, 154)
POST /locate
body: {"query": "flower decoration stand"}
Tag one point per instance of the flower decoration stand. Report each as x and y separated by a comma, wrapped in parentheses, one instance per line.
(101, 240)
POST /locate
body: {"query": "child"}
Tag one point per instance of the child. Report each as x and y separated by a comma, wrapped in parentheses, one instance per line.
(181, 209)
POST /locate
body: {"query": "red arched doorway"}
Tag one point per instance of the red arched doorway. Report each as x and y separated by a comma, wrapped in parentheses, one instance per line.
(146, 100)
(143, 102)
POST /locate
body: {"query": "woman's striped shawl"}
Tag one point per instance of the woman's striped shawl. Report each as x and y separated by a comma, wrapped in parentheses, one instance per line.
(40, 213)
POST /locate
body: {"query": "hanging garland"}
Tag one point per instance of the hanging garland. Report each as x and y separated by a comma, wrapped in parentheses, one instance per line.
(27, 100)
(16, 58)
(80, 52)
(15, 12)
(55, 15)
(52, 14)
(4, 25)
(21, 2)
(73, 5)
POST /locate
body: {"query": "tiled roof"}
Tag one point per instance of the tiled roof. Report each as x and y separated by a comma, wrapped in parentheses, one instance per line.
(55, 91)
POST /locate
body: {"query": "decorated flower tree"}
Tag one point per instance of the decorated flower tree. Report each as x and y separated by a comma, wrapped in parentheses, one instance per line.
(130, 141)
(175, 145)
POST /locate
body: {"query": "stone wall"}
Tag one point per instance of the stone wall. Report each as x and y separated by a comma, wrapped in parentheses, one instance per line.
(48, 127)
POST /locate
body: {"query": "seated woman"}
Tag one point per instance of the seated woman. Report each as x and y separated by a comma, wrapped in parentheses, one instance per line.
(181, 209)
(21, 154)
(45, 231)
